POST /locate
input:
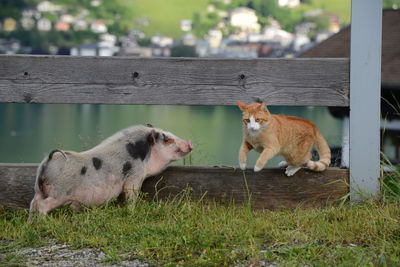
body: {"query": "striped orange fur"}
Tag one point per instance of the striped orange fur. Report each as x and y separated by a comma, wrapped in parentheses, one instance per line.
(289, 136)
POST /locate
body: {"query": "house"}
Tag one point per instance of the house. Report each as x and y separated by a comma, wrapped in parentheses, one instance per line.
(9, 46)
(202, 48)
(98, 26)
(47, 6)
(288, 3)
(159, 51)
(189, 39)
(301, 42)
(161, 41)
(274, 34)
(214, 38)
(239, 50)
(338, 45)
(95, 3)
(80, 25)
(102, 49)
(186, 25)
(27, 23)
(61, 26)
(245, 19)
(9, 25)
(67, 18)
(44, 25)
(130, 47)
(31, 13)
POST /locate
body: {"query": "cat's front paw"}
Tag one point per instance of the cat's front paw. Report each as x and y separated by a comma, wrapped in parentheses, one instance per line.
(257, 169)
(242, 166)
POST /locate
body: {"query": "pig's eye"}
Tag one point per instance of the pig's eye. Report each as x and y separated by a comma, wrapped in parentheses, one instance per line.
(167, 140)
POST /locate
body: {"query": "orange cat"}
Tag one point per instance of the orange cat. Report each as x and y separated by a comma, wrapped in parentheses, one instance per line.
(289, 136)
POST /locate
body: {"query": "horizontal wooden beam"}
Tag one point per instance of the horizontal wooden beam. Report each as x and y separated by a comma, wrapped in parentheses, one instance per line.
(269, 189)
(173, 81)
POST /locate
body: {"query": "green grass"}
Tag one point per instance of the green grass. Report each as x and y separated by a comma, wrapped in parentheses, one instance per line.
(187, 232)
(341, 8)
(164, 15)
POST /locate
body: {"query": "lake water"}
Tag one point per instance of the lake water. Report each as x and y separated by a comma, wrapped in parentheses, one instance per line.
(29, 131)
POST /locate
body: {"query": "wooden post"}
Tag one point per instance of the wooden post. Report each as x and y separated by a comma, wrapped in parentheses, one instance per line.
(365, 86)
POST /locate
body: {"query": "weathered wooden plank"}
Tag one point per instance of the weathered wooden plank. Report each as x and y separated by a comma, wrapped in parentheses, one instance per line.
(269, 189)
(118, 80)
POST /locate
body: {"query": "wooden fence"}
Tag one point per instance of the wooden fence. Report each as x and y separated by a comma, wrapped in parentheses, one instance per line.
(167, 81)
(177, 81)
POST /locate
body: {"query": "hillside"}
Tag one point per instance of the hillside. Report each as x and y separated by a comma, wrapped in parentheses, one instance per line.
(164, 15)
(341, 8)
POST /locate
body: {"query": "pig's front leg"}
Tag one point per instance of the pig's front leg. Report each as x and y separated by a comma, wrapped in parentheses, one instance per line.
(131, 189)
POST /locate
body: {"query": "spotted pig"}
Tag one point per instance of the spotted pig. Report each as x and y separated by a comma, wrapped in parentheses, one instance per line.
(116, 168)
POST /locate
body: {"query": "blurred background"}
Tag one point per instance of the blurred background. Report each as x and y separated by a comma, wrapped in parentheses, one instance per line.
(182, 28)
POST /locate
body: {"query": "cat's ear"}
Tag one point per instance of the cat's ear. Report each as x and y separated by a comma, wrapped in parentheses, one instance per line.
(241, 105)
(263, 107)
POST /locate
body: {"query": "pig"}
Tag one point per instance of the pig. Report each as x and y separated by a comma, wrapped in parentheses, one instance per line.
(116, 168)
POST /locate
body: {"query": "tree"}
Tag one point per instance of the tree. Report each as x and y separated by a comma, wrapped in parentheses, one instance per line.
(183, 51)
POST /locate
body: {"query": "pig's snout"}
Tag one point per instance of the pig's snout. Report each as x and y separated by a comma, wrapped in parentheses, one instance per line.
(185, 146)
(190, 145)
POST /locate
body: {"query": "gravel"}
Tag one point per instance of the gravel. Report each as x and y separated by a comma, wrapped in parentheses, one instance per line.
(62, 255)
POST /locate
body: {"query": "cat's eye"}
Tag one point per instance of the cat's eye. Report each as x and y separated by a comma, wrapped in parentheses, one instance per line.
(258, 120)
(246, 120)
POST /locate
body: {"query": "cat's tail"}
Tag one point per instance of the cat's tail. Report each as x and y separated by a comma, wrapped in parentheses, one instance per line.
(324, 154)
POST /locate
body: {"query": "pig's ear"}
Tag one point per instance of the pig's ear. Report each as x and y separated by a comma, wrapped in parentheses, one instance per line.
(152, 137)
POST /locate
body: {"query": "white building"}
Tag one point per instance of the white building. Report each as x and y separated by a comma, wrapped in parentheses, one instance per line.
(98, 26)
(47, 6)
(301, 42)
(186, 25)
(80, 25)
(288, 3)
(102, 49)
(277, 35)
(245, 19)
(161, 41)
(189, 39)
(67, 18)
(27, 23)
(44, 25)
(214, 38)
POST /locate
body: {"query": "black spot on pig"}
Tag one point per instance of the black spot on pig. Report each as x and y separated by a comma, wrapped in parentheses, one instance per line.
(153, 137)
(139, 149)
(126, 168)
(97, 163)
(83, 170)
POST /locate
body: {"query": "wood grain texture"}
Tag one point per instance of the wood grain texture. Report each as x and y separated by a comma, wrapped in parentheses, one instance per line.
(173, 81)
(270, 188)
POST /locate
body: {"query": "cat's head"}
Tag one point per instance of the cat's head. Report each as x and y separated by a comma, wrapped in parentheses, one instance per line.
(255, 115)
